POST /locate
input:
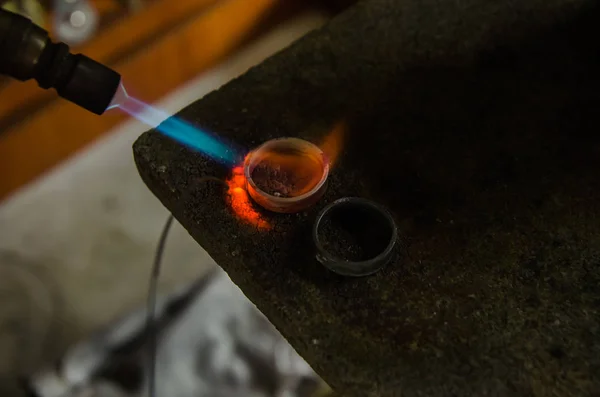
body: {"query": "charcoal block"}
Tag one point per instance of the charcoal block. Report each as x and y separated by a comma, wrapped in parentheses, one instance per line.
(475, 123)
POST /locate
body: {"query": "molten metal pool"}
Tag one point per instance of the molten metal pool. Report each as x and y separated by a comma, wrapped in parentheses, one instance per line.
(286, 175)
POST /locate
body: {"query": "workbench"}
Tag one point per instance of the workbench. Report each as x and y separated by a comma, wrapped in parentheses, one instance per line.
(475, 123)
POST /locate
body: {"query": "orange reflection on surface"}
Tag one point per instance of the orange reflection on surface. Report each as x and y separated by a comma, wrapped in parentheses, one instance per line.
(240, 201)
(332, 143)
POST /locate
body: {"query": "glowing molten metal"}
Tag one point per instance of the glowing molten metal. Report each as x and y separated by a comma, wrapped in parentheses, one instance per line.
(240, 201)
(283, 175)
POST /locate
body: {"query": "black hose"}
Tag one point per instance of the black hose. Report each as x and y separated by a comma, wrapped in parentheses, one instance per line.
(150, 315)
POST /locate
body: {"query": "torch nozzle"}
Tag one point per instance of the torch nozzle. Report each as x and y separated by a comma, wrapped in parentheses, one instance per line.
(26, 52)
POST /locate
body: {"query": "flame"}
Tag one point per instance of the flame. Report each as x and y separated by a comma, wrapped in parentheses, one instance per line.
(332, 143)
(240, 201)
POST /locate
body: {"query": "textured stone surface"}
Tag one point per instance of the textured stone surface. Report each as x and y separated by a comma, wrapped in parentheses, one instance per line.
(76, 246)
(476, 123)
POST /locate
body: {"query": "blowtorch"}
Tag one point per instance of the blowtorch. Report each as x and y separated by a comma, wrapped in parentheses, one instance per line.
(27, 52)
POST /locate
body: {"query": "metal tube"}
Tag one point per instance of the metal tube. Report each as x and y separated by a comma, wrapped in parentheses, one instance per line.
(26, 52)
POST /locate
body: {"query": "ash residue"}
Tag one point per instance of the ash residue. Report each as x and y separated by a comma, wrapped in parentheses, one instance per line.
(272, 179)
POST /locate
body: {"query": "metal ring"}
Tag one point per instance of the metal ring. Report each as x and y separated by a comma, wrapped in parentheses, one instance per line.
(381, 221)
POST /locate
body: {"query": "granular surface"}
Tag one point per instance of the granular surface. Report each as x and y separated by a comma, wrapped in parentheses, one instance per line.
(272, 179)
(354, 234)
(287, 174)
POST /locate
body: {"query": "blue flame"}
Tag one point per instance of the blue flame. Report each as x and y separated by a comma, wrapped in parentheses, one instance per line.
(175, 128)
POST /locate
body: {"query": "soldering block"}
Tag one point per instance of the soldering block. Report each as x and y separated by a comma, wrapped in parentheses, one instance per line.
(476, 123)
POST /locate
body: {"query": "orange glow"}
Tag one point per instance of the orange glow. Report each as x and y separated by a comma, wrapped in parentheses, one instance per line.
(304, 169)
(240, 201)
(332, 143)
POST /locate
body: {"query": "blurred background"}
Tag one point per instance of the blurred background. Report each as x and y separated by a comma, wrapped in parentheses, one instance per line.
(78, 228)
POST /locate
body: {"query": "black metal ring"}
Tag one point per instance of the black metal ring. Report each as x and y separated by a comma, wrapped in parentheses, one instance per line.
(379, 215)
